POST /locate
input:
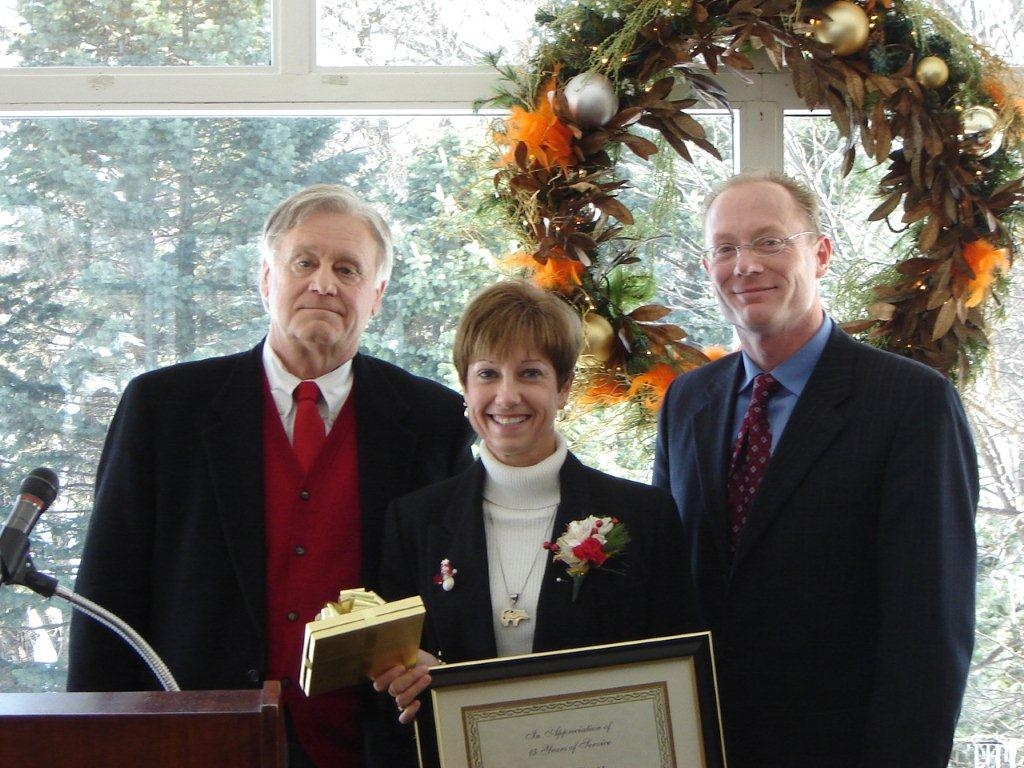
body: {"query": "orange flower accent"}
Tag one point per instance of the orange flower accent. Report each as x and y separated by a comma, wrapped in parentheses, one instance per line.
(994, 89)
(985, 260)
(604, 390)
(650, 386)
(521, 259)
(558, 274)
(548, 140)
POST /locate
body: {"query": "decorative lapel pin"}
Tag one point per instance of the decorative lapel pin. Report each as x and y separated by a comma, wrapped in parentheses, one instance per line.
(446, 578)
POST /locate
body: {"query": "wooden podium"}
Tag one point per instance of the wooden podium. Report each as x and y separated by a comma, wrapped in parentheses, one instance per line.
(187, 729)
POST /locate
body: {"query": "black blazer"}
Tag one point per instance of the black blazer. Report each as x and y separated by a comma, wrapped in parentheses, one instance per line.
(175, 546)
(843, 625)
(646, 596)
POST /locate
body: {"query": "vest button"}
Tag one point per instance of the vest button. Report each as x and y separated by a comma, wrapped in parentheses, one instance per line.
(304, 495)
(300, 550)
(292, 616)
(253, 675)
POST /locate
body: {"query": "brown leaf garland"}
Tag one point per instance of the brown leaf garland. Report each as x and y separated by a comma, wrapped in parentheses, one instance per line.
(932, 183)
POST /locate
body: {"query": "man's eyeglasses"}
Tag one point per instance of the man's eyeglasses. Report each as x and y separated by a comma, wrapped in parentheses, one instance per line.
(765, 246)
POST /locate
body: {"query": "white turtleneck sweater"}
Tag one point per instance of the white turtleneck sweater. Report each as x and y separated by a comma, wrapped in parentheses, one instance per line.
(519, 513)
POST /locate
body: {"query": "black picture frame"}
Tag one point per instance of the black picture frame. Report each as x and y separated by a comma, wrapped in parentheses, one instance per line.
(656, 699)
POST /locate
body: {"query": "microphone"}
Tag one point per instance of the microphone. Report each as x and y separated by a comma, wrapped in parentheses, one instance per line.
(36, 494)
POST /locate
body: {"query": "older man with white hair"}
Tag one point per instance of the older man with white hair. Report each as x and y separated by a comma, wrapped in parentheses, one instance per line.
(237, 495)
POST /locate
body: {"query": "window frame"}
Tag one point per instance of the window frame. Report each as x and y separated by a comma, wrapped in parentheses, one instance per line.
(295, 85)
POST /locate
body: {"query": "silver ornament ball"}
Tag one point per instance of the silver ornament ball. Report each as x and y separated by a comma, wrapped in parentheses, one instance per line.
(981, 135)
(592, 99)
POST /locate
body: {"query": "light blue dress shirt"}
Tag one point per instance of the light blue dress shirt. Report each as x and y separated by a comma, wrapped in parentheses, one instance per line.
(792, 374)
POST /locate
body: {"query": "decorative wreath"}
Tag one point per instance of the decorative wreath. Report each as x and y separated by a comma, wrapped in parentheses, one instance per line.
(903, 82)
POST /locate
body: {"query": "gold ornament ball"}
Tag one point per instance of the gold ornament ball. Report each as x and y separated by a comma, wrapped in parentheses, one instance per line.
(931, 72)
(592, 99)
(981, 134)
(845, 27)
(598, 338)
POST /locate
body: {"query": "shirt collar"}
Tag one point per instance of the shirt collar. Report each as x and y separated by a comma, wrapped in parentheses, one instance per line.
(524, 487)
(335, 385)
(794, 372)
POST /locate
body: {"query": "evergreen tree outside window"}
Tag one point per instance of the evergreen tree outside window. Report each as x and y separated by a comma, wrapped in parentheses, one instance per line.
(66, 33)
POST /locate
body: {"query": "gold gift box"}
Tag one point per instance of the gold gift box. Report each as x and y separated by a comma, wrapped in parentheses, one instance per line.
(358, 638)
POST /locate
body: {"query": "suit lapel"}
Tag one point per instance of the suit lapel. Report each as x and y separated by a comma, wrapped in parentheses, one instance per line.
(459, 536)
(233, 441)
(561, 622)
(383, 443)
(712, 424)
(811, 429)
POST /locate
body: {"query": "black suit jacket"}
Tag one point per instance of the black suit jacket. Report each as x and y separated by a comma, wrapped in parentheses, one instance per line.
(843, 625)
(647, 595)
(175, 546)
(643, 594)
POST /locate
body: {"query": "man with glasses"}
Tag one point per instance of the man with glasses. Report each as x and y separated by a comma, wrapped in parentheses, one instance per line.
(827, 490)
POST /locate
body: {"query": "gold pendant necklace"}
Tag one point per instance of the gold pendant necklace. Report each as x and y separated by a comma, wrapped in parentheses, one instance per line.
(512, 616)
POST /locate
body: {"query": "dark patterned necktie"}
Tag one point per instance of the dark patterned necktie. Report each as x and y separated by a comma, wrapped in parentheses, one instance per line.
(308, 433)
(750, 454)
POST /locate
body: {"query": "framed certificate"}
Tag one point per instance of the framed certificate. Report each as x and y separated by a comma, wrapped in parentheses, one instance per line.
(650, 703)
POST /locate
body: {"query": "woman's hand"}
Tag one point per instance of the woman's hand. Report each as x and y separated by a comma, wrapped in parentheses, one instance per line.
(405, 685)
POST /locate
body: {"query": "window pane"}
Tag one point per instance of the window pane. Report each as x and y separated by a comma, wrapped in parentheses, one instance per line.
(665, 195)
(996, 24)
(674, 191)
(42, 33)
(416, 32)
(814, 154)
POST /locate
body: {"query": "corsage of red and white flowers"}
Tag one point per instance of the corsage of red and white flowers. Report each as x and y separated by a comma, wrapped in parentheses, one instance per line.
(587, 544)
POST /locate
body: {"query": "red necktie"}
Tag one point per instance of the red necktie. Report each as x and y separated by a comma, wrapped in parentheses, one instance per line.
(750, 454)
(308, 434)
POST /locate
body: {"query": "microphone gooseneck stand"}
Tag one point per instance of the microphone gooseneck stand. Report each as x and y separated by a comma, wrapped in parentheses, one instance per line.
(47, 586)
(35, 495)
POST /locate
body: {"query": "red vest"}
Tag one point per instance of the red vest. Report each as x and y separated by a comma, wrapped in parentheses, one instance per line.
(313, 551)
